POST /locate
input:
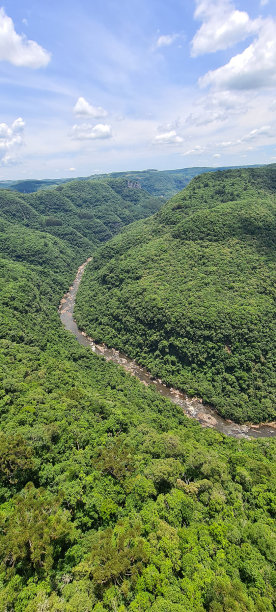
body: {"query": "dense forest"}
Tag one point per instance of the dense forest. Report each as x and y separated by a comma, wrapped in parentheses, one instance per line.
(164, 183)
(161, 183)
(190, 292)
(110, 498)
(81, 213)
(31, 185)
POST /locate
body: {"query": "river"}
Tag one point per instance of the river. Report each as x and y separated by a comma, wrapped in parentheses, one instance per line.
(193, 407)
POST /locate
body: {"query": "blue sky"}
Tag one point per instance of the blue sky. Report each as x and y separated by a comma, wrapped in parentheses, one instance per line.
(102, 86)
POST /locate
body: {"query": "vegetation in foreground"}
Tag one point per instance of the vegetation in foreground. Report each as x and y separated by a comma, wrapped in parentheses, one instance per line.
(110, 498)
(190, 292)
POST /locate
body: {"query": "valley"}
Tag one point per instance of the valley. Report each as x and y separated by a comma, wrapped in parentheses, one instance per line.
(190, 293)
(111, 497)
(192, 407)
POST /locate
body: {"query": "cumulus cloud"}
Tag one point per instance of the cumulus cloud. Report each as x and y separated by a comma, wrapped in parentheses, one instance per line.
(254, 68)
(86, 131)
(223, 26)
(165, 40)
(11, 138)
(82, 108)
(17, 49)
(168, 138)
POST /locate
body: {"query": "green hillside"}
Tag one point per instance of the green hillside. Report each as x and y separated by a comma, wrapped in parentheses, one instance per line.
(83, 213)
(31, 185)
(190, 292)
(161, 183)
(164, 183)
(110, 498)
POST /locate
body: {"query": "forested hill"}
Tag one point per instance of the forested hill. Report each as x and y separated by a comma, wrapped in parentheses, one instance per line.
(161, 183)
(81, 213)
(164, 183)
(110, 498)
(190, 292)
(31, 185)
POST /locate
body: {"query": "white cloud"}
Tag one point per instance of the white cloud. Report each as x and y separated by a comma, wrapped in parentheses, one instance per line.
(207, 116)
(198, 150)
(165, 40)
(86, 131)
(259, 135)
(226, 101)
(168, 138)
(254, 68)
(227, 143)
(264, 130)
(82, 108)
(11, 138)
(217, 155)
(17, 49)
(264, 2)
(223, 26)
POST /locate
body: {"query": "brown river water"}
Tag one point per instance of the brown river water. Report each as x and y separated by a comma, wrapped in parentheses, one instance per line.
(192, 406)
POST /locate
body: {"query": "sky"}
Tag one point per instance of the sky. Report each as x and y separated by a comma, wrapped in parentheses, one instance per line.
(104, 85)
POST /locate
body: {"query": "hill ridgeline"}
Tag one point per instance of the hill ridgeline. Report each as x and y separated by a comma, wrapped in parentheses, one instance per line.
(190, 292)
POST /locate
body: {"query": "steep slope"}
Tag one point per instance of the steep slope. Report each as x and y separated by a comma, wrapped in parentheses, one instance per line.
(164, 183)
(83, 213)
(110, 498)
(190, 292)
(161, 183)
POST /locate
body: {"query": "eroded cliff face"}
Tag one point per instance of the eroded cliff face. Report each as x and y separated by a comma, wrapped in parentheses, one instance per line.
(134, 185)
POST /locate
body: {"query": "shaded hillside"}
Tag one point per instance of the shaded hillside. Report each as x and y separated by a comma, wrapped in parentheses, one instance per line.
(160, 183)
(190, 292)
(83, 213)
(163, 183)
(31, 185)
(110, 498)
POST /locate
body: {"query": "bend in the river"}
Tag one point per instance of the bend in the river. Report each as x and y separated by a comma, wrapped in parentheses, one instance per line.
(193, 407)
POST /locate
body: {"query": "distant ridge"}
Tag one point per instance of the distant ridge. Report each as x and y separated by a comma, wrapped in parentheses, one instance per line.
(164, 183)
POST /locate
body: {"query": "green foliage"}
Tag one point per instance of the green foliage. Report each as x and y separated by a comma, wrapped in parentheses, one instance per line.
(162, 183)
(110, 498)
(190, 292)
(33, 543)
(16, 463)
(81, 213)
